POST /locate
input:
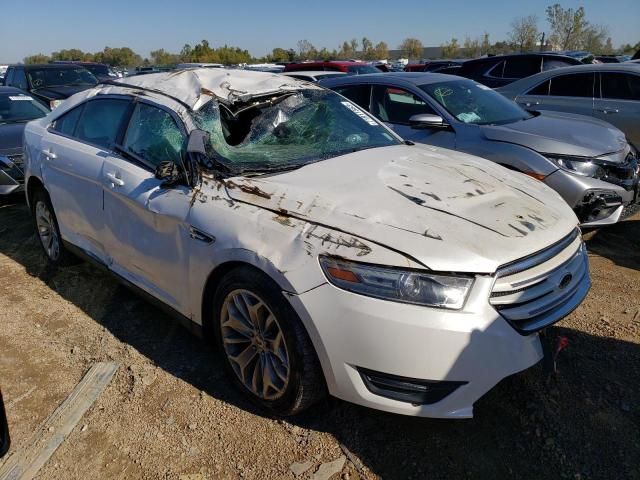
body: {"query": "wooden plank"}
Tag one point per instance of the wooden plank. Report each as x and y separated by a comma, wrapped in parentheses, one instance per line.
(25, 464)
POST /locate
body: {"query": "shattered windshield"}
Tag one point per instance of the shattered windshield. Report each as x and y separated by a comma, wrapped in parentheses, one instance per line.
(288, 131)
(471, 102)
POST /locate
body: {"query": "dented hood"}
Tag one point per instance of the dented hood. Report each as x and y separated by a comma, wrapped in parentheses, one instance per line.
(560, 133)
(195, 87)
(447, 210)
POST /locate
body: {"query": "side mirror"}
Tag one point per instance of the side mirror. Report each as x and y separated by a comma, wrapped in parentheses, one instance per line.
(169, 173)
(5, 440)
(423, 121)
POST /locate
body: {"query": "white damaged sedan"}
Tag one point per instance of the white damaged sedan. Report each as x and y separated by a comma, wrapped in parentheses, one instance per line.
(316, 249)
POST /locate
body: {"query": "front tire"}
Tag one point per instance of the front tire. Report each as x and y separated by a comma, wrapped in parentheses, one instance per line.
(266, 350)
(47, 229)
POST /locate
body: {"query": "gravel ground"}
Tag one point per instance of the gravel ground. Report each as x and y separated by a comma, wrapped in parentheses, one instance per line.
(170, 413)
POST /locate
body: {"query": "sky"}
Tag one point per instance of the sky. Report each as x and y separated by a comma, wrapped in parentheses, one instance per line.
(40, 26)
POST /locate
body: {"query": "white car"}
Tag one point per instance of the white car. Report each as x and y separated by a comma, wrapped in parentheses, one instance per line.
(319, 251)
(313, 76)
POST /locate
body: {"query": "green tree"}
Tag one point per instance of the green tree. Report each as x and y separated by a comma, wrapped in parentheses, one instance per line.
(471, 47)
(412, 48)
(568, 26)
(38, 58)
(72, 54)
(595, 38)
(162, 57)
(524, 33)
(381, 51)
(367, 49)
(485, 47)
(306, 50)
(278, 55)
(451, 49)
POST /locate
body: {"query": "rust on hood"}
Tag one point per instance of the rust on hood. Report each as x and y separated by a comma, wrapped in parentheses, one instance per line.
(250, 189)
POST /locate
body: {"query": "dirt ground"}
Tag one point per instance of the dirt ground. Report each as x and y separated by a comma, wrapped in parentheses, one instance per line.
(170, 412)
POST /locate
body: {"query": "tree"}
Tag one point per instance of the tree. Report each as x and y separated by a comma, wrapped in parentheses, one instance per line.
(412, 48)
(485, 47)
(608, 47)
(72, 54)
(118, 57)
(185, 53)
(162, 57)
(594, 38)
(354, 47)
(471, 47)
(451, 49)
(38, 58)
(367, 49)
(347, 50)
(381, 51)
(305, 49)
(567, 26)
(278, 55)
(524, 33)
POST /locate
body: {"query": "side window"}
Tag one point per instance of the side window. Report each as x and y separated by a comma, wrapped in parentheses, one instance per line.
(101, 121)
(572, 85)
(9, 78)
(19, 79)
(66, 124)
(496, 71)
(621, 86)
(520, 67)
(551, 63)
(396, 105)
(358, 94)
(542, 89)
(154, 135)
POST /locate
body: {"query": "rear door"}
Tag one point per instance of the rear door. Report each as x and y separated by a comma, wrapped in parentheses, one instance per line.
(147, 233)
(74, 149)
(571, 92)
(619, 102)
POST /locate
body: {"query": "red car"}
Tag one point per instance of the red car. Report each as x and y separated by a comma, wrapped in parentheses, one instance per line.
(354, 68)
(414, 67)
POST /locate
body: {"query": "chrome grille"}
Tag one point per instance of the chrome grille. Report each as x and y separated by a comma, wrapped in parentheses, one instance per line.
(537, 291)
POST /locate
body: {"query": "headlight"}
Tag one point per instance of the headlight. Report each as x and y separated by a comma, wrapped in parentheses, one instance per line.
(398, 285)
(54, 103)
(580, 166)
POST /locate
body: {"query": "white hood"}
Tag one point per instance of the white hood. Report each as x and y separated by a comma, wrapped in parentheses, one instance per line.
(447, 210)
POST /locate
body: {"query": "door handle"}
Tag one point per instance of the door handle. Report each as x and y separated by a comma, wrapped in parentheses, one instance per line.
(49, 154)
(114, 179)
(608, 111)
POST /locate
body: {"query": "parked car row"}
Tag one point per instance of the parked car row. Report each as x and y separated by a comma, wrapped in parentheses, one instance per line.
(397, 240)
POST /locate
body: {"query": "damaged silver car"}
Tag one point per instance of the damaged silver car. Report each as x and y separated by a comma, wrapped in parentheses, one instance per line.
(318, 251)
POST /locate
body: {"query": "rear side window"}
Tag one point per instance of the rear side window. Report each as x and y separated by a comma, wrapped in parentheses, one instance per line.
(551, 63)
(154, 135)
(66, 124)
(620, 86)
(497, 70)
(521, 67)
(542, 89)
(358, 94)
(101, 121)
(572, 85)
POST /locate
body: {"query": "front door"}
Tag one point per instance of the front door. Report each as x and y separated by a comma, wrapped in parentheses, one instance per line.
(147, 230)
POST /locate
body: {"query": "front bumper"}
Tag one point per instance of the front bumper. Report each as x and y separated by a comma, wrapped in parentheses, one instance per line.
(596, 202)
(475, 347)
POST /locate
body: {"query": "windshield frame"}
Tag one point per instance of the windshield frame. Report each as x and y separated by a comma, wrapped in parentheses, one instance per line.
(427, 90)
(235, 167)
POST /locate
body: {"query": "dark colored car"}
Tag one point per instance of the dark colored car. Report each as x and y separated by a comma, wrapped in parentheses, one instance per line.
(99, 70)
(16, 109)
(503, 69)
(438, 65)
(50, 83)
(414, 67)
(353, 68)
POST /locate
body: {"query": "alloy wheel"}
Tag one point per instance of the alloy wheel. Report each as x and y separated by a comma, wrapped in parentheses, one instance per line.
(47, 230)
(254, 344)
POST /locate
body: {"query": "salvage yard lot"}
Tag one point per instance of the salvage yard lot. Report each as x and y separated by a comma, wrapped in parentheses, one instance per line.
(170, 411)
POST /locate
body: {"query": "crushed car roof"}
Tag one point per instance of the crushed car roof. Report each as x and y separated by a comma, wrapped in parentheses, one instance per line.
(195, 87)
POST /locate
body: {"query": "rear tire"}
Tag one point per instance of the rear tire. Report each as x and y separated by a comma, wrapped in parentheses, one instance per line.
(266, 350)
(46, 225)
